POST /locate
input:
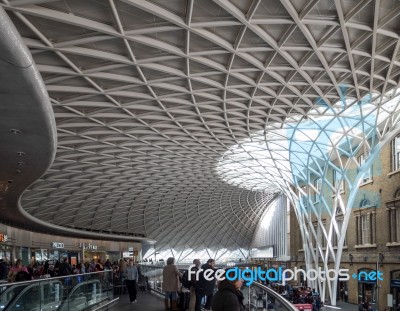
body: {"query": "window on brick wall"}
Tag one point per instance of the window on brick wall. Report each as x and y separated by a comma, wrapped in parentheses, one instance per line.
(368, 175)
(394, 225)
(365, 223)
(338, 182)
(304, 197)
(395, 151)
(393, 208)
(320, 236)
(335, 239)
(318, 186)
(365, 229)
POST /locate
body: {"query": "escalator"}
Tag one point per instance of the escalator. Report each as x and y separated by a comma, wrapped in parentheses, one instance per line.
(76, 292)
(32, 296)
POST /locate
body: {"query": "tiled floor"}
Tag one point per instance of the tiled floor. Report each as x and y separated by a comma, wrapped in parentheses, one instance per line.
(145, 302)
(154, 302)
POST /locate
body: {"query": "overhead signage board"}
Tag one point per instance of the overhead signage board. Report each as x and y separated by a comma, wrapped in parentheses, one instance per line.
(88, 246)
(57, 245)
(262, 252)
(3, 237)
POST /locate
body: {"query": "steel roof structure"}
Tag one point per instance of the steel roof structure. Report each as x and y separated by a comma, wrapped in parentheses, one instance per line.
(149, 96)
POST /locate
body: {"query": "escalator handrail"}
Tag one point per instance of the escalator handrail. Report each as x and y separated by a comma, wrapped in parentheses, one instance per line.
(55, 278)
(273, 293)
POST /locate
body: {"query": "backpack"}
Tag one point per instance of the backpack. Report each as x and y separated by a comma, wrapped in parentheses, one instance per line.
(185, 280)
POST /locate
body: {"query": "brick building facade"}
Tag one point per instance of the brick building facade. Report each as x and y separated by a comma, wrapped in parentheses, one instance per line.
(373, 233)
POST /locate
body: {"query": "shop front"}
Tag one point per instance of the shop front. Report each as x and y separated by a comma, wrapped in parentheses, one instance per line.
(92, 251)
(395, 287)
(58, 251)
(367, 290)
(113, 256)
(5, 249)
(132, 253)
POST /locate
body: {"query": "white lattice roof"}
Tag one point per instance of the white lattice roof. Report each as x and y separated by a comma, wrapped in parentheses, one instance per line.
(149, 95)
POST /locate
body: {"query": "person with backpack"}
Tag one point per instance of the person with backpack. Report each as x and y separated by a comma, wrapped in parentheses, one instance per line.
(191, 284)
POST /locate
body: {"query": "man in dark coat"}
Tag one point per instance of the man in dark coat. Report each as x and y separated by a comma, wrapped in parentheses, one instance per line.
(65, 268)
(229, 297)
(205, 287)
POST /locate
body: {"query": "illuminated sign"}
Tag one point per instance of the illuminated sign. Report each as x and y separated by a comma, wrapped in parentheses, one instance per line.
(3, 237)
(88, 246)
(57, 245)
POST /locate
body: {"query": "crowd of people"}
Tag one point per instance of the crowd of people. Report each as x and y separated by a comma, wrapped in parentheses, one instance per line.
(124, 271)
(202, 286)
(53, 268)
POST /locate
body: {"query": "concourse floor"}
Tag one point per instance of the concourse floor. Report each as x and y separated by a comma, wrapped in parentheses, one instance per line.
(344, 306)
(154, 302)
(145, 302)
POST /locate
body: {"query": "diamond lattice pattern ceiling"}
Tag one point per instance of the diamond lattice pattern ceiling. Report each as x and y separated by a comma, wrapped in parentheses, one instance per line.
(148, 95)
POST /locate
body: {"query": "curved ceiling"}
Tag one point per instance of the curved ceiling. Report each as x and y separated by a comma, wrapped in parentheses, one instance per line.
(149, 95)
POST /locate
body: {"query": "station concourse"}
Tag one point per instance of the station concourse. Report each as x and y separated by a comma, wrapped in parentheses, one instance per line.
(253, 132)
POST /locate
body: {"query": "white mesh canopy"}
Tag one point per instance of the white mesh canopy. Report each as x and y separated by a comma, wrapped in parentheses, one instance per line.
(154, 100)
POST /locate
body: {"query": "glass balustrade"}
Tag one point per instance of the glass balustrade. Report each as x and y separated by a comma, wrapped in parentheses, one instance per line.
(154, 275)
(262, 298)
(257, 296)
(69, 293)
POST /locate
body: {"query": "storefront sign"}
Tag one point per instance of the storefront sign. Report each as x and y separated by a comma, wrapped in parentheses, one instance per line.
(3, 237)
(127, 254)
(88, 246)
(57, 245)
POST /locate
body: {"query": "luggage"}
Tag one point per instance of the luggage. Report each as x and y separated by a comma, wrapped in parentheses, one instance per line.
(184, 298)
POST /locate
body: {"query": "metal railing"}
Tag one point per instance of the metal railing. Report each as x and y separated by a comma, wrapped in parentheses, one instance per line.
(75, 292)
(260, 297)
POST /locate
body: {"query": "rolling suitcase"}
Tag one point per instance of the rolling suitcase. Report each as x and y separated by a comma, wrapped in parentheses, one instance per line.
(184, 298)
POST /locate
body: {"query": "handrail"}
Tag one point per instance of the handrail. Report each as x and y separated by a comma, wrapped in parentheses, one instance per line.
(75, 288)
(273, 293)
(107, 304)
(52, 278)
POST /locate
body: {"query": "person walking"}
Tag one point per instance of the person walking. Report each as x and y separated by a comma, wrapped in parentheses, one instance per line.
(171, 283)
(131, 280)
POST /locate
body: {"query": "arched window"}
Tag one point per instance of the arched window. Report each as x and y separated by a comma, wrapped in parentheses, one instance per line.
(365, 203)
(365, 223)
